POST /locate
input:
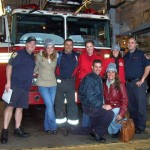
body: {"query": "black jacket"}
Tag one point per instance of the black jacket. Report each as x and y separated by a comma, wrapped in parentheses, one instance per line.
(91, 91)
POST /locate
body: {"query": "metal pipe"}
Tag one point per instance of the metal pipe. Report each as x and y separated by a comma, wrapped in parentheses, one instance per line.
(84, 5)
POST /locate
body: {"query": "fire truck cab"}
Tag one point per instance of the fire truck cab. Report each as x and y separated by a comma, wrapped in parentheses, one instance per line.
(59, 21)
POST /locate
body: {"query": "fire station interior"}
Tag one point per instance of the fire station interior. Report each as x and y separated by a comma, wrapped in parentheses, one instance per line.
(127, 18)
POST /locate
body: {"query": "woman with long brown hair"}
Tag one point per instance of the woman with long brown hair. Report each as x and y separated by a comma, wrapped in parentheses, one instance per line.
(115, 57)
(115, 98)
(45, 67)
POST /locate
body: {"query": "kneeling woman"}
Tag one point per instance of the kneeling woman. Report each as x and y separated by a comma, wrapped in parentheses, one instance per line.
(115, 98)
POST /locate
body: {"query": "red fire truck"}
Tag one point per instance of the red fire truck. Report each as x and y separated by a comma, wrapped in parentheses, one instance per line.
(4, 50)
(57, 21)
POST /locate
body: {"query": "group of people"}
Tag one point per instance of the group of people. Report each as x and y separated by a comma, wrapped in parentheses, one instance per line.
(102, 88)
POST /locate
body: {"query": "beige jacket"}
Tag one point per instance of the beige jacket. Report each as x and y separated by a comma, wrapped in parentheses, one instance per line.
(46, 71)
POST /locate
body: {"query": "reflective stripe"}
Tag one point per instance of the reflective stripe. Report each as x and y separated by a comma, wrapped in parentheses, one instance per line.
(65, 101)
(59, 121)
(73, 122)
(76, 97)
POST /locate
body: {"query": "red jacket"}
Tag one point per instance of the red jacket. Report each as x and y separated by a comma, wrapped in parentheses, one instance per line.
(116, 98)
(85, 64)
(121, 72)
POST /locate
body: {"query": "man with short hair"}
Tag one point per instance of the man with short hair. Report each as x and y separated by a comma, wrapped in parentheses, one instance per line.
(67, 64)
(91, 97)
(136, 70)
(19, 74)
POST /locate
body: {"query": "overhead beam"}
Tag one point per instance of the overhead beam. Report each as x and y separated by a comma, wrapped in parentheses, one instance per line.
(109, 6)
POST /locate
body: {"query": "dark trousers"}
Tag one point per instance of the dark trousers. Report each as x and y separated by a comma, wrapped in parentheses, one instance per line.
(100, 119)
(137, 103)
(66, 89)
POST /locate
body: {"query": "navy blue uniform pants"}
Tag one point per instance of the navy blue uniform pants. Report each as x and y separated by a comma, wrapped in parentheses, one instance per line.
(100, 119)
(137, 103)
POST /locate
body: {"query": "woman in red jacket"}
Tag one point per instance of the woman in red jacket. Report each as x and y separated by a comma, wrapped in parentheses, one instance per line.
(115, 98)
(85, 67)
(86, 59)
(116, 58)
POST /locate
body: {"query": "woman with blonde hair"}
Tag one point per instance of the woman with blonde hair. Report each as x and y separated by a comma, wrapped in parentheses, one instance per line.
(45, 68)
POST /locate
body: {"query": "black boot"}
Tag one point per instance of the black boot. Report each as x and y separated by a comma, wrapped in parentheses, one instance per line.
(64, 131)
(4, 136)
(98, 138)
(19, 132)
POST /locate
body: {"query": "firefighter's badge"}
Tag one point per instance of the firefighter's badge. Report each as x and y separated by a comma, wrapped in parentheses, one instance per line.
(14, 55)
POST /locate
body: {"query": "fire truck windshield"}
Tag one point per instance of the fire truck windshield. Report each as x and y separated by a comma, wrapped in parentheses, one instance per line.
(59, 27)
(39, 26)
(82, 29)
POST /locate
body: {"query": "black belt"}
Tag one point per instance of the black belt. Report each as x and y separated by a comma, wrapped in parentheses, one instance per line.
(133, 80)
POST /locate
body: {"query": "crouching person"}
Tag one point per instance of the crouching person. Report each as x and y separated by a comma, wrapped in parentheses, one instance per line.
(91, 96)
(116, 99)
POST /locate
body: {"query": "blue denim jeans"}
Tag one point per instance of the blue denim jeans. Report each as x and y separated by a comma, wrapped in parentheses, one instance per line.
(114, 127)
(48, 95)
(85, 120)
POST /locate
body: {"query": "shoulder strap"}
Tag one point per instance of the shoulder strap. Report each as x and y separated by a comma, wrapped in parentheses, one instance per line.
(76, 57)
(59, 58)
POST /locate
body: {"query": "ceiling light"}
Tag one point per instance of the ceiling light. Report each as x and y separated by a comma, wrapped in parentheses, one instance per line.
(8, 9)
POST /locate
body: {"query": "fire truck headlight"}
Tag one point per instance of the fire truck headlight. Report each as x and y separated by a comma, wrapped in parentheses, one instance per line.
(4, 57)
(37, 97)
(106, 56)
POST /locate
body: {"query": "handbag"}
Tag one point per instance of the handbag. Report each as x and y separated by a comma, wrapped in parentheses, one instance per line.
(127, 130)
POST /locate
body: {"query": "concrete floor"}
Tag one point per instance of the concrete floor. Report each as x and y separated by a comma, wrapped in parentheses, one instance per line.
(33, 123)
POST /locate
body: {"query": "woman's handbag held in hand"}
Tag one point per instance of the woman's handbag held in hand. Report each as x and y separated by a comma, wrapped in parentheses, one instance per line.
(127, 130)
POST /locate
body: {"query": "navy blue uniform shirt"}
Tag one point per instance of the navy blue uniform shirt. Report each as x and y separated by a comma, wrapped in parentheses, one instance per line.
(68, 64)
(23, 65)
(135, 64)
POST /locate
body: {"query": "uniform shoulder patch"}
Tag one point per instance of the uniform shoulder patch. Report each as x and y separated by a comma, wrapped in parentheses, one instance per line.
(14, 55)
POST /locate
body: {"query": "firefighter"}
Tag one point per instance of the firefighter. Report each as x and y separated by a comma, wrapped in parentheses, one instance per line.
(136, 70)
(66, 66)
(19, 73)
